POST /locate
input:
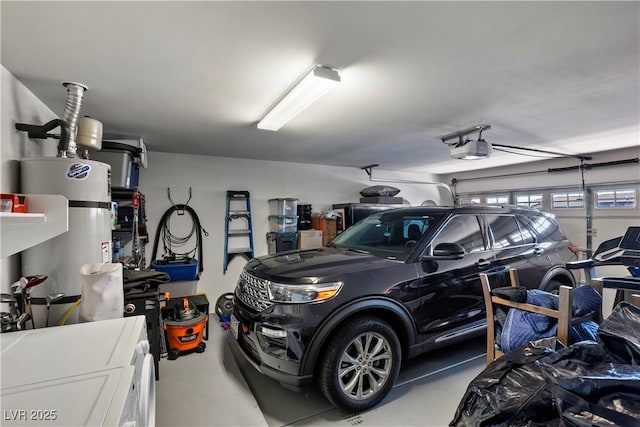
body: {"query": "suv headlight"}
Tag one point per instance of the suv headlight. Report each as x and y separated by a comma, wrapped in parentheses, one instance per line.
(279, 292)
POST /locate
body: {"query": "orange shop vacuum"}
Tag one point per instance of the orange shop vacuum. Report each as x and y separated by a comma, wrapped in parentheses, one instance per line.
(184, 327)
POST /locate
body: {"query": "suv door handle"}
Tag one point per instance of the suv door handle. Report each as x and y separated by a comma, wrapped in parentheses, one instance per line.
(483, 262)
(538, 251)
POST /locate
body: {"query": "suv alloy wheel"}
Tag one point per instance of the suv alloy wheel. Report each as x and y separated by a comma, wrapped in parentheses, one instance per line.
(360, 364)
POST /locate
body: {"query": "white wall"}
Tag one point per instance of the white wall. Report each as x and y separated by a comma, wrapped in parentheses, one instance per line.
(211, 177)
(19, 105)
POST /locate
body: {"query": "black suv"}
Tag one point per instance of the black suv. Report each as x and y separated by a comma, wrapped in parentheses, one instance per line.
(395, 285)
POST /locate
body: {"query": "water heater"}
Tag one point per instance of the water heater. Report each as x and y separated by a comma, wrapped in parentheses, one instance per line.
(87, 186)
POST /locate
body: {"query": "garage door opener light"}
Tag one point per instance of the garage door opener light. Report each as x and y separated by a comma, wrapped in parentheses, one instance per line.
(467, 149)
(312, 86)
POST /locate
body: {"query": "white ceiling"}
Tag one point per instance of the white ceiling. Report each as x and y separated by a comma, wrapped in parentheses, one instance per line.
(195, 77)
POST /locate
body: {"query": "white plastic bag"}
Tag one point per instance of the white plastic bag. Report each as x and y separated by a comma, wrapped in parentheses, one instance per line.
(102, 292)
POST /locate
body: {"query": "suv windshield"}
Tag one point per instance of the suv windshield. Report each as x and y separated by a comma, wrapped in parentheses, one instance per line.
(391, 235)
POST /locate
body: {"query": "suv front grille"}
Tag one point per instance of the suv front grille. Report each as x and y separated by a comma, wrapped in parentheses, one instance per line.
(253, 291)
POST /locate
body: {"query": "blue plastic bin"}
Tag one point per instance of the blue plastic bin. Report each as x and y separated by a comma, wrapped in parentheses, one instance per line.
(178, 270)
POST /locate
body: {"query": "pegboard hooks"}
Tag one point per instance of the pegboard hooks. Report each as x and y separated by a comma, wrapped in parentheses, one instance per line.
(179, 208)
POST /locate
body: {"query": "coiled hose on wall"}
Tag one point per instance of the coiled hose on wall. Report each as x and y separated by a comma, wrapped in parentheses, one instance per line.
(169, 240)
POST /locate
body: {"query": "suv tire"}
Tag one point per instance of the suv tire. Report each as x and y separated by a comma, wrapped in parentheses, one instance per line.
(360, 364)
(553, 286)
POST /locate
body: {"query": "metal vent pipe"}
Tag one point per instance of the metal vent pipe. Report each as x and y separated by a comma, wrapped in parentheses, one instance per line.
(75, 93)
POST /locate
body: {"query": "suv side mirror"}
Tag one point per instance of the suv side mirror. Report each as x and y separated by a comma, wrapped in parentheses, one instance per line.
(449, 251)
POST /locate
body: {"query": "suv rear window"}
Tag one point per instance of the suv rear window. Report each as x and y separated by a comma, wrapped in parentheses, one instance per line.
(506, 231)
(464, 230)
(545, 228)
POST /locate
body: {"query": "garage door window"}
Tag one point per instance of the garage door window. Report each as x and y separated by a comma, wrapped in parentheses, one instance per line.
(624, 198)
(573, 200)
(498, 199)
(468, 200)
(529, 200)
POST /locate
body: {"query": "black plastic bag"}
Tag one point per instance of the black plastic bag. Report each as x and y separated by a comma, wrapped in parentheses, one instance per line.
(590, 386)
(511, 391)
(620, 333)
(585, 384)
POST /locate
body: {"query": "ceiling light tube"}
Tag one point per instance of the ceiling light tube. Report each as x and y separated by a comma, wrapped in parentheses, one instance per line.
(315, 84)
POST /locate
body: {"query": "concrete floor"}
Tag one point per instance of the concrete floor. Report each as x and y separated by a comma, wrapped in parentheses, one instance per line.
(215, 388)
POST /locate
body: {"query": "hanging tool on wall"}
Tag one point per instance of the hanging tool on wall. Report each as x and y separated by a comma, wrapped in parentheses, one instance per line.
(171, 241)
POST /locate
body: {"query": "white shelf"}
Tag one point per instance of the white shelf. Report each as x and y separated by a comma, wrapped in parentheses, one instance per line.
(22, 218)
(19, 231)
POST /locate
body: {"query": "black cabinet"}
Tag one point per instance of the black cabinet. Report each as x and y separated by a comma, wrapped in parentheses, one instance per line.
(354, 212)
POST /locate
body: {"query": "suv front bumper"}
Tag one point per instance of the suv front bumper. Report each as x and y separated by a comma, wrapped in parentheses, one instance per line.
(273, 348)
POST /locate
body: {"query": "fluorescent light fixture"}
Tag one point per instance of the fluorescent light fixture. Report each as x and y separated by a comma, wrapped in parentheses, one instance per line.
(312, 86)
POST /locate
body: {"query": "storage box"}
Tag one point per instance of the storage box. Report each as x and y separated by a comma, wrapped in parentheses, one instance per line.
(280, 242)
(14, 203)
(177, 270)
(284, 207)
(124, 172)
(309, 239)
(327, 226)
(283, 224)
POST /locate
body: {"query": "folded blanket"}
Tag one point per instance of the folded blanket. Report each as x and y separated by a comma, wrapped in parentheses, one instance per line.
(522, 326)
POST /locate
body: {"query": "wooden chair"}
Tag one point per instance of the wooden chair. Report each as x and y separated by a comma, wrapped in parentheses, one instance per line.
(563, 314)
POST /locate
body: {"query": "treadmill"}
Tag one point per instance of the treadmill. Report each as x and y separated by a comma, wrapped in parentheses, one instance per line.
(623, 250)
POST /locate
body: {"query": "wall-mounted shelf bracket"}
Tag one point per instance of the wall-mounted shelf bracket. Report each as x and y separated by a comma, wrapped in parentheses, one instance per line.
(368, 169)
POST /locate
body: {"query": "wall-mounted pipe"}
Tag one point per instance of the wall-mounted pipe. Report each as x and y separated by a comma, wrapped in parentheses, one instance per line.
(75, 94)
(41, 132)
